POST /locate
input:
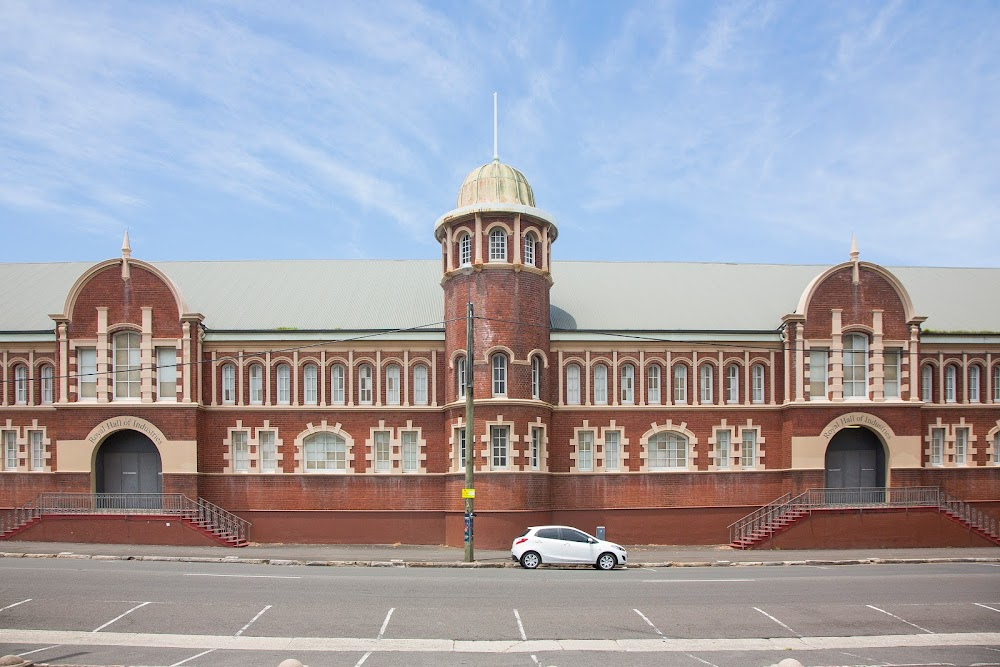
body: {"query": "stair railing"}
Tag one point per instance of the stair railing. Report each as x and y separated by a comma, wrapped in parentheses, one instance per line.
(975, 518)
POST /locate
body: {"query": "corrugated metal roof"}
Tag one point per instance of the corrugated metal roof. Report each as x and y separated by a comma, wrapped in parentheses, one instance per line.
(328, 295)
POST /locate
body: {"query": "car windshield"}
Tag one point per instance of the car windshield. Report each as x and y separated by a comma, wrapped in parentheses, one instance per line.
(524, 533)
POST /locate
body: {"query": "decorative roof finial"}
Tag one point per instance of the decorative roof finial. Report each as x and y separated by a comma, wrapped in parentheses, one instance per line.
(856, 279)
(126, 254)
(496, 156)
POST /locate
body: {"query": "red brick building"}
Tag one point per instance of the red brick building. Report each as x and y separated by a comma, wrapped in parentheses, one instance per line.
(324, 400)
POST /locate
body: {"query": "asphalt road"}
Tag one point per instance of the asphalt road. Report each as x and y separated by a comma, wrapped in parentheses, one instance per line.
(89, 612)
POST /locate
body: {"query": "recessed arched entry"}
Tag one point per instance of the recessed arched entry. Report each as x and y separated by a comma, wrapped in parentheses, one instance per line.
(128, 462)
(855, 458)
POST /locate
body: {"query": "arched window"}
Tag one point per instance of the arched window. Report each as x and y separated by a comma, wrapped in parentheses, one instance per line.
(927, 383)
(667, 451)
(498, 245)
(465, 250)
(392, 384)
(628, 384)
(499, 364)
(365, 384)
(974, 383)
(680, 383)
(461, 382)
(950, 376)
(256, 384)
(600, 384)
(733, 384)
(536, 377)
(573, 384)
(284, 373)
(325, 452)
(46, 384)
(228, 384)
(758, 383)
(529, 249)
(338, 380)
(996, 383)
(653, 384)
(21, 384)
(309, 384)
(855, 366)
(127, 365)
(706, 383)
(420, 394)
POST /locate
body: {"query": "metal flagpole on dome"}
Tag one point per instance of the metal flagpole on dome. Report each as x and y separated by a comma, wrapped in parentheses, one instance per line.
(496, 156)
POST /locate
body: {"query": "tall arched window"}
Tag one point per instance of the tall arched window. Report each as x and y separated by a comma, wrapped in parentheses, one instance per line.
(127, 365)
(47, 384)
(392, 384)
(309, 384)
(653, 384)
(325, 452)
(733, 384)
(465, 249)
(338, 380)
(855, 366)
(706, 383)
(21, 384)
(628, 384)
(536, 377)
(680, 383)
(420, 394)
(996, 383)
(460, 378)
(758, 383)
(284, 373)
(950, 377)
(927, 383)
(667, 451)
(228, 384)
(529, 249)
(573, 384)
(365, 384)
(499, 364)
(256, 384)
(600, 384)
(974, 383)
(498, 245)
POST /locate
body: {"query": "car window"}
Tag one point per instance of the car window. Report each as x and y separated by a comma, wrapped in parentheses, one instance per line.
(524, 533)
(572, 535)
(548, 533)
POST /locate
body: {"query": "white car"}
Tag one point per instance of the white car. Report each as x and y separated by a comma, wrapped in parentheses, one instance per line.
(554, 545)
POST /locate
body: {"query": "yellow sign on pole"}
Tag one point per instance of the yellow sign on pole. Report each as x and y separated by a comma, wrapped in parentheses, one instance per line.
(468, 493)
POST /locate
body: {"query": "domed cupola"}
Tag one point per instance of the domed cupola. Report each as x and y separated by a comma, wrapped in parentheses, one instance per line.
(495, 183)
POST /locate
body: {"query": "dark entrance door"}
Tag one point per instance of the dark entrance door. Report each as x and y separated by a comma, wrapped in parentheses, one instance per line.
(128, 462)
(855, 458)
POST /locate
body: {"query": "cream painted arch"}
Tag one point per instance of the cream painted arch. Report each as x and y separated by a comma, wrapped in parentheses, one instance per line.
(904, 295)
(81, 282)
(176, 456)
(901, 451)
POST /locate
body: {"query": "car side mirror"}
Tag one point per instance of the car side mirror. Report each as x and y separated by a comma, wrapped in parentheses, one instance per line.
(591, 541)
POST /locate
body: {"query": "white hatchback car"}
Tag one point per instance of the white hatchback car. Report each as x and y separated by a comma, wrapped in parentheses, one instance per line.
(561, 545)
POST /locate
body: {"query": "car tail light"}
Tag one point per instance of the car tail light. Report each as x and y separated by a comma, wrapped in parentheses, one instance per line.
(521, 540)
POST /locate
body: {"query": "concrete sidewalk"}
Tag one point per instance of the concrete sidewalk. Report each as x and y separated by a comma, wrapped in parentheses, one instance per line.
(443, 556)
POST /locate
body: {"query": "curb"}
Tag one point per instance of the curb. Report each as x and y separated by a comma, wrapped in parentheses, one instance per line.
(497, 565)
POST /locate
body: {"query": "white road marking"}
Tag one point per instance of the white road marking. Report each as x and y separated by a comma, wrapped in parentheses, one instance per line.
(643, 617)
(520, 626)
(777, 621)
(362, 660)
(984, 606)
(385, 623)
(122, 616)
(11, 606)
(237, 576)
(259, 614)
(704, 662)
(37, 650)
(899, 619)
(534, 658)
(690, 581)
(178, 664)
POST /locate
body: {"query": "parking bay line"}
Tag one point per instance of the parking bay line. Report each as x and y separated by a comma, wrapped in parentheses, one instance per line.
(178, 664)
(237, 576)
(985, 606)
(777, 621)
(664, 638)
(11, 606)
(140, 606)
(259, 614)
(381, 632)
(899, 619)
(520, 626)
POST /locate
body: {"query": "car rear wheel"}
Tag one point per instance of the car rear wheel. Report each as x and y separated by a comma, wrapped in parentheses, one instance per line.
(530, 560)
(606, 561)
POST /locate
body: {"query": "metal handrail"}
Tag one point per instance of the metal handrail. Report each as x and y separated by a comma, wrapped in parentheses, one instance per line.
(219, 521)
(970, 515)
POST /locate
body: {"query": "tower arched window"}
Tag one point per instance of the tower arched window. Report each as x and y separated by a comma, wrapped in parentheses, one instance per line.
(733, 384)
(573, 384)
(628, 384)
(21, 384)
(465, 249)
(536, 377)
(365, 384)
(284, 373)
(461, 381)
(499, 364)
(498, 245)
(127, 365)
(309, 384)
(228, 384)
(392, 384)
(529, 249)
(256, 384)
(600, 384)
(855, 366)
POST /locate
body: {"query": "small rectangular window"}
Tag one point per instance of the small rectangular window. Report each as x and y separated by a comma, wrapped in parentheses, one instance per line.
(996, 384)
(241, 452)
(585, 450)
(37, 450)
(891, 371)
(268, 451)
(411, 452)
(961, 446)
(937, 446)
(10, 450)
(166, 374)
(460, 445)
(818, 364)
(536, 448)
(722, 449)
(383, 452)
(499, 439)
(748, 452)
(996, 449)
(86, 371)
(612, 450)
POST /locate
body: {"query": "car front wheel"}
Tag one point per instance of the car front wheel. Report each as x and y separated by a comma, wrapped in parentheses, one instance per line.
(530, 560)
(607, 561)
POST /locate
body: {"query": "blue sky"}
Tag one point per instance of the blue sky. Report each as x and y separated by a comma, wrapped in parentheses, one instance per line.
(679, 131)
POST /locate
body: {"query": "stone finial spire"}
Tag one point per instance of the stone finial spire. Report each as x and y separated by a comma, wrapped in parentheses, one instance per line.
(126, 254)
(854, 258)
